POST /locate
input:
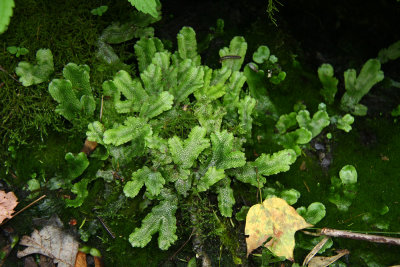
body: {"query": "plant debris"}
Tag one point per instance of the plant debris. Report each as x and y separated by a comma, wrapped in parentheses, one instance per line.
(8, 201)
(51, 241)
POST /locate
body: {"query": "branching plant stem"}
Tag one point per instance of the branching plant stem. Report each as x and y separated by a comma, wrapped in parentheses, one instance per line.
(358, 236)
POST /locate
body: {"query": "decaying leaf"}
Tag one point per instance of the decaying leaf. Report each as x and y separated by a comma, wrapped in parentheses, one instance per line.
(315, 250)
(89, 147)
(274, 219)
(51, 241)
(8, 201)
(326, 261)
(80, 259)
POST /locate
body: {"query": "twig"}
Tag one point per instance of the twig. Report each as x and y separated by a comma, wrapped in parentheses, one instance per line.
(29, 205)
(101, 107)
(305, 184)
(106, 227)
(358, 236)
(259, 189)
(184, 244)
(6, 72)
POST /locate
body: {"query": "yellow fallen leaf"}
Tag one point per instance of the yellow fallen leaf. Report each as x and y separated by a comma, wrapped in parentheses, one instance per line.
(274, 219)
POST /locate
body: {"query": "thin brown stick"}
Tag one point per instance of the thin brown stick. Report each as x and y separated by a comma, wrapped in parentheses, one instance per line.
(358, 236)
(24, 208)
(259, 189)
(106, 227)
(101, 107)
(6, 72)
(305, 184)
(184, 244)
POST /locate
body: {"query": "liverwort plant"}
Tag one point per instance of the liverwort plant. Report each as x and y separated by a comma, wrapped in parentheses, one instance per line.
(356, 86)
(268, 64)
(174, 131)
(38, 73)
(298, 128)
(6, 11)
(99, 11)
(17, 51)
(344, 190)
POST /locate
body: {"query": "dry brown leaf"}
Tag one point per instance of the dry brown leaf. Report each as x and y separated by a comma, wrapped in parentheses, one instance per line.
(326, 261)
(8, 201)
(274, 219)
(98, 262)
(89, 147)
(80, 259)
(315, 250)
(51, 241)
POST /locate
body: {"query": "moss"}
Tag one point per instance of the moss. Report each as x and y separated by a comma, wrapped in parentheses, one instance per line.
(71, 32)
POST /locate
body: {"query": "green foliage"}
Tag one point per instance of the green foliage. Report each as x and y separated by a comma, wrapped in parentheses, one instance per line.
(344, 123)
(262, 54)
(176, 129)
(6, 11)
(76, 165)
(99, 11)
(80, 189)
(146, 6)
(241, 215)
(134, 129)
(329, 82)
(145, 49)
(185, 153)
(153, 180)
(265, 165)
(307, 243)
(74, 93)
(315, 125)
(35, 74)
(116, 33)
(344, 190)
(212, 176)
(95, 132)
(289, 136)
(390, 53)
(396, 112)
(280, 161)
(286, 121)
(289, 195)
(246, 107)
(224, 155)
(226, 199)
(358, 86)
(314, 213)
(187, 45)
(271, 9)
(161, 219)
(268, 64)
(17, 51)
(237, 47)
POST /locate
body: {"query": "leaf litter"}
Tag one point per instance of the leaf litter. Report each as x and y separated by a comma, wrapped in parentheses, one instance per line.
(52, 242)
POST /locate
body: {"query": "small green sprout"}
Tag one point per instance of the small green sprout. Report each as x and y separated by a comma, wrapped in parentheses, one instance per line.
(17, 51)
(314, 213)
(344, 190)
(99, 11)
